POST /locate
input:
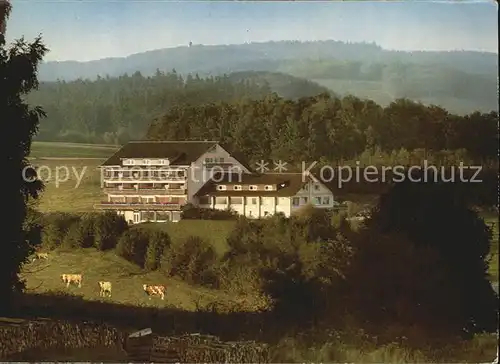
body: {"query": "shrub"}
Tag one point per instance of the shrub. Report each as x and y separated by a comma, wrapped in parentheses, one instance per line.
(74, 237)
(87, 230)
(133, 245)
(191, 260)
(158, 242)
(191, 212)
(55, 227)
(108, 227)
(435, 217)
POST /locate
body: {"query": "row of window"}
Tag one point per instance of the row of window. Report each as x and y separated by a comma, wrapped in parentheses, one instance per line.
(239, 200)
(129, 162)
(143, 173)
(240, 188)
(321, 200)
(147, 200)
(214, 160)
(316, 187)
(296, 201)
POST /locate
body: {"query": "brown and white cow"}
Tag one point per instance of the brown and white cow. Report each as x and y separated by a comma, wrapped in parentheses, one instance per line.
(154, 290)
(72, 278)
(105, 287)
(39, 255)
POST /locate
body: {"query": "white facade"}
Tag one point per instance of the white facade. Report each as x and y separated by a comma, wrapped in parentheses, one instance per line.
(253, 206)
(214, 161)
(313, 192)
(151, 189)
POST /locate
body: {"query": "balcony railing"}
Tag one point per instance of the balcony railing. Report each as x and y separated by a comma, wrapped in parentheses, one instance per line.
(105, 205)
(143, 177)
(145, 191)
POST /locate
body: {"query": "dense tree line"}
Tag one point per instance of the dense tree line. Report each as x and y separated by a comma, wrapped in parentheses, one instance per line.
(331, 128)
(114, 110)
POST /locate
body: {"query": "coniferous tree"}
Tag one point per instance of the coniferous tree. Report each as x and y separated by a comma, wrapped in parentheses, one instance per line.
(18, 69)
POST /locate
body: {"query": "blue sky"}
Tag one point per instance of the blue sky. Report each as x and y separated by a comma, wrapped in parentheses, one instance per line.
(87, 30)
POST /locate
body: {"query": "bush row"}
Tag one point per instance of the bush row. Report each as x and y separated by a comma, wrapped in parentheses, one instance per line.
(98, 230)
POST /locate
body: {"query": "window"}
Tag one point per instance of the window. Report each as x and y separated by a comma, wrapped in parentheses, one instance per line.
(221, 160)
(326, 200)
(267, 200)
(254, 200)
(295, 201)
(209, 160)
(221, 187)
(236, 200)
(162, 216)
(316, 187)
(283, 201)
(268, 188)
(253, 188)
(304, 199)
(147, 215)
(204, 200)
(306, 187)
(237, 188)
(221, 200)
(317, 200)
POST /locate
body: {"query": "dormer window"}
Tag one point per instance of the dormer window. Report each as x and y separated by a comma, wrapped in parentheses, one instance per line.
(237, 188)
(252, 188)
(221, 187)
(268, 188)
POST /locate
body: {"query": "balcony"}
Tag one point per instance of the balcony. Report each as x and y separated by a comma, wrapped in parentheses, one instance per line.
(154, 206)
(144, 177)
(145, 191)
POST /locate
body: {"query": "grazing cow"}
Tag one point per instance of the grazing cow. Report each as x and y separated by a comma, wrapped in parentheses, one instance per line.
(39, 255)
(72, 278)
(154, 290)
(105, 287)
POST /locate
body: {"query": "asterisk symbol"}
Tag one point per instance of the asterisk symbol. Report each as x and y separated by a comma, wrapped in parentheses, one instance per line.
(262, 166)
(280, 166)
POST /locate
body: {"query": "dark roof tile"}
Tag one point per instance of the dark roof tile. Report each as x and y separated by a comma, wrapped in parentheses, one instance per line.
(178, 152)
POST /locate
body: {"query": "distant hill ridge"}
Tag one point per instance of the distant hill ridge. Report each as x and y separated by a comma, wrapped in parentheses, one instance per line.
(218, 59)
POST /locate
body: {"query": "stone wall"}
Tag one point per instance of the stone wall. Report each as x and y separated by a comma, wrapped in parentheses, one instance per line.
(28, 335)
(194, 348)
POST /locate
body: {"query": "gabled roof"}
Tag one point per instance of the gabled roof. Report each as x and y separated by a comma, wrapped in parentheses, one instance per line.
(291, 184)
(178, 152)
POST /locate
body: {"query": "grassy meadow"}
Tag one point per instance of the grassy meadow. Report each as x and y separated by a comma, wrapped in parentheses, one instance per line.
(43, 276)
(71, 150)
(71, 175)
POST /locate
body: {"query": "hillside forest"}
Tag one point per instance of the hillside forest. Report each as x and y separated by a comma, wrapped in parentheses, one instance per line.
(460, 81)
(309, 123)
